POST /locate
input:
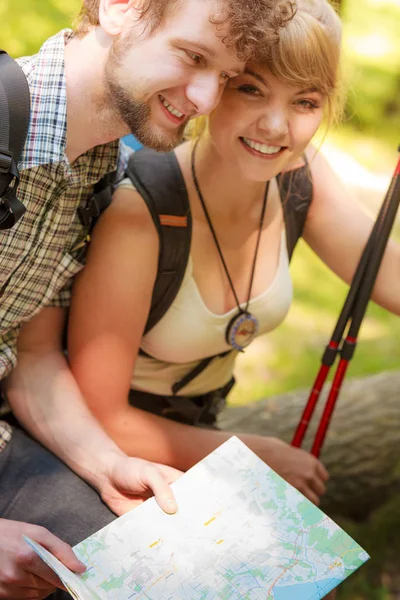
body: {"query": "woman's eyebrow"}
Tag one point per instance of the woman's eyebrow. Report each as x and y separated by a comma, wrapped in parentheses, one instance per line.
(308, 91)
(257, 76)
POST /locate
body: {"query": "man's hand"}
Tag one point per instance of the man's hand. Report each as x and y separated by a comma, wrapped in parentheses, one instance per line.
(47, 401)
(130, 481)
(296, 466)
(22, 573)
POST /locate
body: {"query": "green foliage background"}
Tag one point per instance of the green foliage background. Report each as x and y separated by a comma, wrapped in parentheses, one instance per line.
(371, 68)
(26, 24)
(289, 357)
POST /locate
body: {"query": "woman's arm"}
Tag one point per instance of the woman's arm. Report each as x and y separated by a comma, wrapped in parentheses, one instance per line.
(110, 306)
(337, 229)
(109, 310)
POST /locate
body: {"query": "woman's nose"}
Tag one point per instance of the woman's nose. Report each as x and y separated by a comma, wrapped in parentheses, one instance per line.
(274, 123)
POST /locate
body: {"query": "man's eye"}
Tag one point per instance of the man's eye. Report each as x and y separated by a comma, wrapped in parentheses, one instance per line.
(225, 76)
(193, 56)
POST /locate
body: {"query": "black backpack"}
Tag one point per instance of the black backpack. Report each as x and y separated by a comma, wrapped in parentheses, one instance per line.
(14, 122)
(158, 179)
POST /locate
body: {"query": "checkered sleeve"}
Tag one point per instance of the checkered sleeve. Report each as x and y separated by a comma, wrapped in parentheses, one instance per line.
(63, 298)
(8, 351)
(75, 260)
(5, 434)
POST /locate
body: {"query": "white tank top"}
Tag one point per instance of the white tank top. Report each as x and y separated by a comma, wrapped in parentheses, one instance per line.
(189, 332)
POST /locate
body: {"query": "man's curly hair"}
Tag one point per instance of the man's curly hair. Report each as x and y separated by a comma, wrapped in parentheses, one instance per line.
(253, 24)
(248, 24)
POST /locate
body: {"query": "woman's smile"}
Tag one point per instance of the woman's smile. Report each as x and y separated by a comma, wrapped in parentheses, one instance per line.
(261, 149)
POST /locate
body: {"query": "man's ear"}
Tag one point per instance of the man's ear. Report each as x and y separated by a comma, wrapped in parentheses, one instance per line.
(112, 14)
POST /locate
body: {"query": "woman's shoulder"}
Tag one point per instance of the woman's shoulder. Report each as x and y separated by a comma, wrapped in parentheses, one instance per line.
(126, 223)
(322, 174)
(313, 168)
(127, 208)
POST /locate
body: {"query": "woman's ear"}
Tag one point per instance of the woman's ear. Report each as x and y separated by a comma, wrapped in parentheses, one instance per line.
(113, 13)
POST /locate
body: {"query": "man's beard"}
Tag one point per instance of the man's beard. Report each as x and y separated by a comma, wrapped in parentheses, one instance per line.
(136, 114)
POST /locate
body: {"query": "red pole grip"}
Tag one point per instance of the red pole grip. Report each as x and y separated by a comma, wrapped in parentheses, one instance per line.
(310, 406)
(329, 407)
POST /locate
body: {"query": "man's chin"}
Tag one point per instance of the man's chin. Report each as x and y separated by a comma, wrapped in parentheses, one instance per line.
(157, 138)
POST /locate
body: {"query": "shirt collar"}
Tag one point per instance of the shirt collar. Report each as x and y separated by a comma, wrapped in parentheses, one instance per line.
(47, 133)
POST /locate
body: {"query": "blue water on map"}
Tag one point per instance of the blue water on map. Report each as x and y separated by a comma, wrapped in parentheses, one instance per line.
(305, 591)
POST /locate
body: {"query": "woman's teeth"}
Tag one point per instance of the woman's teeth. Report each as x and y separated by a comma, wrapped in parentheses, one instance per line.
(263, 148)
(170, 108)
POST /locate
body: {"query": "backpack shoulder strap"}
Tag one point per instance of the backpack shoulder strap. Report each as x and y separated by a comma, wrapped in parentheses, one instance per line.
(296, 191)
(158, 179)
(100, 200)
(14, 123)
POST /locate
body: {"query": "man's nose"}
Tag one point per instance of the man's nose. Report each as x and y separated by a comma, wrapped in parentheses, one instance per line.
(204, 91)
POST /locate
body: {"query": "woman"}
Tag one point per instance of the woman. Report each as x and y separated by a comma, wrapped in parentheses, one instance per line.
(262, 126)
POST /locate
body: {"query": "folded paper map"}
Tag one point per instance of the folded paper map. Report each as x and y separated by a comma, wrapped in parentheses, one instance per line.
(241, 533)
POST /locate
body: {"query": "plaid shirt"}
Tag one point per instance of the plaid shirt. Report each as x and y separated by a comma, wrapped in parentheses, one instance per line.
(39, 256)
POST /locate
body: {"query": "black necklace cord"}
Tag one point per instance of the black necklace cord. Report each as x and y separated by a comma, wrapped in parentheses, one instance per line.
(253, 268)
(202, 201)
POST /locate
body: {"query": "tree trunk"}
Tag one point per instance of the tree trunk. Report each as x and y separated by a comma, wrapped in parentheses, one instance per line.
(362, 449)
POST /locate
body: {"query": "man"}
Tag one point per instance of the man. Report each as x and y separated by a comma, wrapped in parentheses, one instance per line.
(140, 66)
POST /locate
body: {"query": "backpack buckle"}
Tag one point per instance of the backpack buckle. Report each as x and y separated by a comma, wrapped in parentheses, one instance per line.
(11, 209)
(6, 160)
(98, 202)
(89, 212)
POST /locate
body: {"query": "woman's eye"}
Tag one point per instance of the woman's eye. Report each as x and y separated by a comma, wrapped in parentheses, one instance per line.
(307, 104)
(193, 56)
(249, 89)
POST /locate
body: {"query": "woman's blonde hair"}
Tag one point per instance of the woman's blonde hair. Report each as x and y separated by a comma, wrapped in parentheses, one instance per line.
(306, 55)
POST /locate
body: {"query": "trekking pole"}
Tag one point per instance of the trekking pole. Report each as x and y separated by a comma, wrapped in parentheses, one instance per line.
(332, 348)
(359, 292)
(349, 344)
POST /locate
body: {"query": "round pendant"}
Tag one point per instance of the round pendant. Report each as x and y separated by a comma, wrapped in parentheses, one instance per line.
(241, 330)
